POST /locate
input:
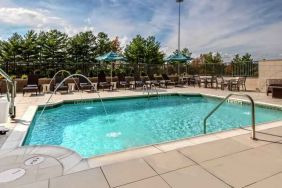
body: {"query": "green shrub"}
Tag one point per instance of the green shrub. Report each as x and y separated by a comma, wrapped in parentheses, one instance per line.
(24, 76)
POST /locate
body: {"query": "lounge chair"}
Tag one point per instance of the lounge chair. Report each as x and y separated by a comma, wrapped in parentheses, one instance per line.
(270, 83)
(166, 81)
(32, 84)
(153, 80)
(122, 82)
(85, 85)
(3, 130)
(138, 82)
(62, 87)
(103, 83)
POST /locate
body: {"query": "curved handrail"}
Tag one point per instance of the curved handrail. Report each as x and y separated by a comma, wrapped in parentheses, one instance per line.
(228, 96)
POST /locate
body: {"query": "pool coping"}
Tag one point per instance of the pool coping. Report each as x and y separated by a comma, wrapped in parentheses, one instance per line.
(18, 134)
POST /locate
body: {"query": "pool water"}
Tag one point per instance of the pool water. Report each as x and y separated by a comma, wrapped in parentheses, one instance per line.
(136, 122)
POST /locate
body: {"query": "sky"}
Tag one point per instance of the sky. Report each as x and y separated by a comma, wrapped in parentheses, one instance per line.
(225, 26)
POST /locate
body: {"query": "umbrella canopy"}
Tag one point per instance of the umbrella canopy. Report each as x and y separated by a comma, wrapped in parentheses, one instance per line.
(111, 56)
(178, 58)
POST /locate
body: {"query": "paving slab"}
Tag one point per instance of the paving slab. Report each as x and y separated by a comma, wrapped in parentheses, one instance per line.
(276, 132)
(193, 176)
(127, 172)
(86, 179)
(154, 182)
(249, 166)
(262, 139)
(39, 184)
(212, 150)
(165, 162)
(271, 182)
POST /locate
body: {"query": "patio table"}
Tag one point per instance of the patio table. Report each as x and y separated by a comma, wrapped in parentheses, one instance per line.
(45, 88)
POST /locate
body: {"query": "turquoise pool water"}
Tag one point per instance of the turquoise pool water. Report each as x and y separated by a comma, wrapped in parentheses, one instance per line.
(136, 122)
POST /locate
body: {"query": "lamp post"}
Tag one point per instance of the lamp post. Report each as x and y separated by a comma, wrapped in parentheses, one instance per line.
(179, 10)
(178, 52)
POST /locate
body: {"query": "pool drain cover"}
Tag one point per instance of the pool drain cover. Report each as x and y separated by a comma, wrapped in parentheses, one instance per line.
(11, 175)
(34, 161)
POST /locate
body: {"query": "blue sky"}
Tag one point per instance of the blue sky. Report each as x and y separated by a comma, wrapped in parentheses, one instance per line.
(226, 26)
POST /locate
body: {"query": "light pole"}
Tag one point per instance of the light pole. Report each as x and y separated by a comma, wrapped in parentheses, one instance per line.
(178, 52)
(179, 3)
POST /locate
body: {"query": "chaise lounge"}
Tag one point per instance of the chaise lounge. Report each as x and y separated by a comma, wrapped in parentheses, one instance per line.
(166, 81)
(32, 85)
(58, 87)
(85, 85)
(103, 83)
(274, 86)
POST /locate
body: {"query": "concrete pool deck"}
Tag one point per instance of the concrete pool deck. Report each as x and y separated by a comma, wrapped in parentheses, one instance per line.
(227, 159)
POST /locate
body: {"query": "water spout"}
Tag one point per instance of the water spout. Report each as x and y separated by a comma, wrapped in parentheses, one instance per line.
(62, 71)
(72, 76)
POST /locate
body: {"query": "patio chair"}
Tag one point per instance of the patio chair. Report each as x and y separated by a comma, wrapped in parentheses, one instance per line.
(197, 80)
(85, 85)
(210, 81)
(103, 83)
(122, 82)
(62, 87)
(166, 81)
(234, 84)
(220, 83)
(32, 84)
(243, 82)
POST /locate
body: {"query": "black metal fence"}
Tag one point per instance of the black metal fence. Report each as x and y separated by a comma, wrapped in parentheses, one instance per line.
(92, 70)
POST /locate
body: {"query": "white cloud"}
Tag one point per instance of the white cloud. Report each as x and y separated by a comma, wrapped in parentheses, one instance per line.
(225, 26)
(222, 26)
(38, 19)
(28, 17)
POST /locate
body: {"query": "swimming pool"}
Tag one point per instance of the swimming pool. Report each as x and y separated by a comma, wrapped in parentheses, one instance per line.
(135, 122)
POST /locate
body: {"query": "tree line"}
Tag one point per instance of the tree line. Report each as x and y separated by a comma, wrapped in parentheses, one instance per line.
(57, 48)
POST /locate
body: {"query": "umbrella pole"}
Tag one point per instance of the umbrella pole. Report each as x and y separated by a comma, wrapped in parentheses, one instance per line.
(178, 69)
(111, 71)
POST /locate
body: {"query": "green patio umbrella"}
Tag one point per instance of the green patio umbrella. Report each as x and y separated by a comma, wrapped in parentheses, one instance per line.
(179, 58)
(111, 57)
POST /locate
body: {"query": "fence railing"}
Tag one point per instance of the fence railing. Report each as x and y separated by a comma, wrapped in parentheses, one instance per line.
(92, 70)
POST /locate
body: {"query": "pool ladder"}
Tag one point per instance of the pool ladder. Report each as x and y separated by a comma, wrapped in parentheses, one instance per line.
(222, 102)
(149, 89)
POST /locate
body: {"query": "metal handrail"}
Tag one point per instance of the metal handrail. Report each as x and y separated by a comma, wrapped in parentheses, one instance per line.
(11, 99)
(228, 96)
(146, 90)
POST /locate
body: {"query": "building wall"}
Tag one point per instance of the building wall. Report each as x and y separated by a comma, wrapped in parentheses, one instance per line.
(269, 69)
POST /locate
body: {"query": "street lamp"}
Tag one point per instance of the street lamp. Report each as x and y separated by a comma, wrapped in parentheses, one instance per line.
(178, 52)
(179, 2)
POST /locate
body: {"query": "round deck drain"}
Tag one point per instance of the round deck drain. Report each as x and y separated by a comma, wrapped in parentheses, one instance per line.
(34, 161)
(11, 175)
